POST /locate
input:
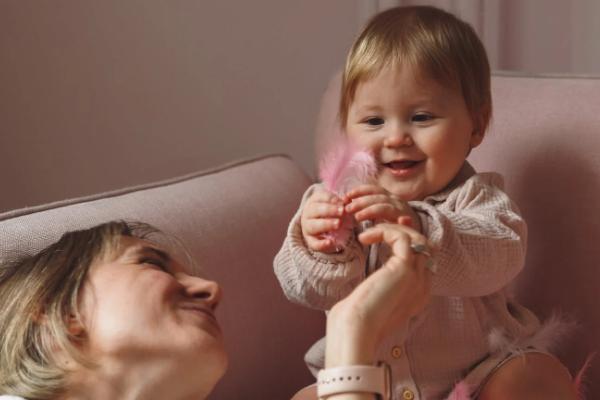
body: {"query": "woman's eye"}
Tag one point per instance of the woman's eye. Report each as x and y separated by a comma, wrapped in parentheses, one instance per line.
(156, 262)
(422, 117)
(374, 121)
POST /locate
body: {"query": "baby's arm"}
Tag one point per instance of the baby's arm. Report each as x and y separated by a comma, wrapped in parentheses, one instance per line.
(479, 235)
(312, 278)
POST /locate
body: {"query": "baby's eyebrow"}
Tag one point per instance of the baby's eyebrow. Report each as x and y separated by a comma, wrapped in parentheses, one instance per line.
(368, 108)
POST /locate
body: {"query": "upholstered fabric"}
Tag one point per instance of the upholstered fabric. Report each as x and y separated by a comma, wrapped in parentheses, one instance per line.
(545, 139)
(233, 220)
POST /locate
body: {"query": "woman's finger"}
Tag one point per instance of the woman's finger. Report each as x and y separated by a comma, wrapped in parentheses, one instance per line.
(387, 232)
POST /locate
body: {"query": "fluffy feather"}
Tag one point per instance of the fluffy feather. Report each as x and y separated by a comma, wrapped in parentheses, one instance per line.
(345, 166)
(461, 391)
(554, 328)
(581, 376)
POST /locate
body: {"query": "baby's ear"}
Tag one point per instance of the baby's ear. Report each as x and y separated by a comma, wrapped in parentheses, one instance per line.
(476, 137)
(480, 122)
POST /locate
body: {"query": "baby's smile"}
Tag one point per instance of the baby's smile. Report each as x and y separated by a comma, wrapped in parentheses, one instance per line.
(403, 168)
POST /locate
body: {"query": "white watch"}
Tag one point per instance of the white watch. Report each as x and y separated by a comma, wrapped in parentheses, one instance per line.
(355, 379)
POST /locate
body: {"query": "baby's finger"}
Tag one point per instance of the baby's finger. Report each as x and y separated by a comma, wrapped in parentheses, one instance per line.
(406, 221)
(321, 245)
(363, 190)
(323, 210)
(322, 195)
(376, 212)
(362, 202)
(317, 226)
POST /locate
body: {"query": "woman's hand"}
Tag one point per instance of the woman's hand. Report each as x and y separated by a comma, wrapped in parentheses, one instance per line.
(372, 202)
(389, 297)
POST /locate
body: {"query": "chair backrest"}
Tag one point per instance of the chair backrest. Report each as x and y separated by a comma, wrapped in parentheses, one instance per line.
(232, 220)
(545, 139)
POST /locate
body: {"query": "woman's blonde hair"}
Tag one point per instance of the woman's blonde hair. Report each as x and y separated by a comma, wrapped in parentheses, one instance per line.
(429, 40)
(39, 297)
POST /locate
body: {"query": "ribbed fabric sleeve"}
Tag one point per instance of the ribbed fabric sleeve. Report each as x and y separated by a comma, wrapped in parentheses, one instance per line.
(480, 237)
(313, 279)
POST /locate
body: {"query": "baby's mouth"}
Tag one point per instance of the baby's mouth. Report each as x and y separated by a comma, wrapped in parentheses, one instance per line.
(402, 165)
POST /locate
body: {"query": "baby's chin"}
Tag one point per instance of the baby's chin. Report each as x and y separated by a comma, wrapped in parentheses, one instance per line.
(405, 191)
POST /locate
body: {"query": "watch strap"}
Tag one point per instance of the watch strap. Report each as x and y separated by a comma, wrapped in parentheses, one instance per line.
(355, 379)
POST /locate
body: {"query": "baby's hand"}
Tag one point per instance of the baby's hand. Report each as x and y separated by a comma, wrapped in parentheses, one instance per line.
(322, 213)
(371, 202)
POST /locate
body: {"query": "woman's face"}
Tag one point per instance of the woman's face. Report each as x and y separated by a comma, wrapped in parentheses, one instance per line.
(143, 308)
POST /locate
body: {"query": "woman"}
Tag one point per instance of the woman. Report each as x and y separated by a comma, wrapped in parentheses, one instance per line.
(107, 313)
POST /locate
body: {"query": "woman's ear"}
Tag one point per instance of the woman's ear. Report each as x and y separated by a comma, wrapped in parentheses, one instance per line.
(74, 326)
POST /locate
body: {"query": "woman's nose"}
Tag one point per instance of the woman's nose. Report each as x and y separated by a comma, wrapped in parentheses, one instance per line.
(199, 288)
(398, 137)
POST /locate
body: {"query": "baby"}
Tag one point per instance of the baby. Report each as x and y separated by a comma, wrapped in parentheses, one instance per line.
(416, 94)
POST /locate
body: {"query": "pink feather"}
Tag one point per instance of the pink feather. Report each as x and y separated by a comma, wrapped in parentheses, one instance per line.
(461, 391)
(345, 166)
(579, 380)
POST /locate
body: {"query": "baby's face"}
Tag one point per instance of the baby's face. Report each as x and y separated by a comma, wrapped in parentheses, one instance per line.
(419, 131)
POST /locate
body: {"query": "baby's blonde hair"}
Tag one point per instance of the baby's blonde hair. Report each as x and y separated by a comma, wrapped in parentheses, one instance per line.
(432, 42)
(39, 295)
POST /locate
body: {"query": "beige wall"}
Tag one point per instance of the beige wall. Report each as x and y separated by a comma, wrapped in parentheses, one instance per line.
(97, 95)
(526, 36)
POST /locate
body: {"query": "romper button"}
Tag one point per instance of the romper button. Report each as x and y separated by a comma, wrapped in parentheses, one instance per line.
(396, 351)
(407, 394)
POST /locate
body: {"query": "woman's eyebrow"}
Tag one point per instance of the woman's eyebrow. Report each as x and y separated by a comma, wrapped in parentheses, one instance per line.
(163, 255)
(147, 250)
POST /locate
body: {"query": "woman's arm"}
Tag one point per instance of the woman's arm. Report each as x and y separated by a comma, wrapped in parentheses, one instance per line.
(388, 298)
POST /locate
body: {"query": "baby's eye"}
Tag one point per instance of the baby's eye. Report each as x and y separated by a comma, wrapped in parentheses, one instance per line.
(374, 121)
(422, 117)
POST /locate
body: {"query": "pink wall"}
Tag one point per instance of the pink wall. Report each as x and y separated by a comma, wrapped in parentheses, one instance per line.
(536, 36)
(97, 95)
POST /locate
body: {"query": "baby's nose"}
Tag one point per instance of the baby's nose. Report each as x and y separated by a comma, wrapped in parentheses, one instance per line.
(398, 137)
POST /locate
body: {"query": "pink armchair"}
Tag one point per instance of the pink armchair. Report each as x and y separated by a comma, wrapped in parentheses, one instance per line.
(545, 139)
